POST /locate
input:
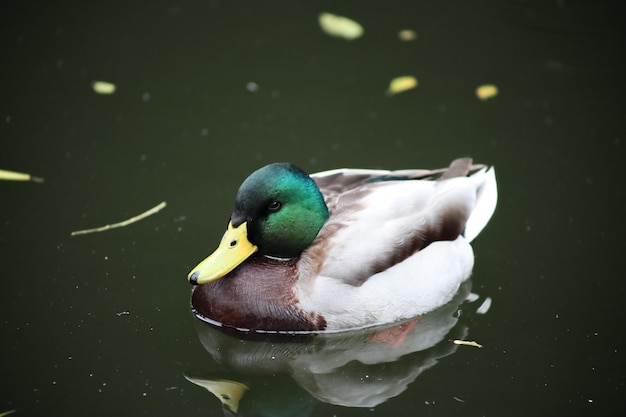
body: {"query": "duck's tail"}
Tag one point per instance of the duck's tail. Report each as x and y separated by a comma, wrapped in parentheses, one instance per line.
(486, 201)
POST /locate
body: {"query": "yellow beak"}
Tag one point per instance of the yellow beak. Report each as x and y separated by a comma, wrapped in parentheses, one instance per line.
(232, 251)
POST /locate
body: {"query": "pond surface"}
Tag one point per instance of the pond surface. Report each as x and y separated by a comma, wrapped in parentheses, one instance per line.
(206, 92)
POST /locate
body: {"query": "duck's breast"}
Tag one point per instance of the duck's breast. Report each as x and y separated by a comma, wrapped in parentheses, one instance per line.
(258, 295)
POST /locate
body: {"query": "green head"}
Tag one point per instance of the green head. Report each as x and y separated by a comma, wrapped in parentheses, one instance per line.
(283, 208)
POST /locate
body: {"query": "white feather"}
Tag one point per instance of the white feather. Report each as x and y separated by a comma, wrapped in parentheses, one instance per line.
(420, 284)
(373, 225)
(486, 201)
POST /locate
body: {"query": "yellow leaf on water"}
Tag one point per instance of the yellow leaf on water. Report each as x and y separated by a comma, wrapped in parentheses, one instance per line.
(17, 176)
(466, 343)
(227, 391)
(486, 91)
(400, 84)
(407, 35)
(340, 26)
(103, 87)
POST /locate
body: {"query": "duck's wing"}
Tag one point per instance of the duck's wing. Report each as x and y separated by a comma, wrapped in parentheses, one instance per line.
(380, 218)
(335, 182)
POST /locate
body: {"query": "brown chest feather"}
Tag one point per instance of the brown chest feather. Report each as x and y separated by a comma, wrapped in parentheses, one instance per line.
(257, 295)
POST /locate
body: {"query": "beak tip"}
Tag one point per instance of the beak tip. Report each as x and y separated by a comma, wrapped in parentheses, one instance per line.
(193, 278)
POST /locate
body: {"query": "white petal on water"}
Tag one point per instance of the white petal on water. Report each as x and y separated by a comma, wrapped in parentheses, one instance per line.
(484, 307)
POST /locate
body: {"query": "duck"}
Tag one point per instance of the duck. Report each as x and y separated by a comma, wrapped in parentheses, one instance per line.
(343, 249)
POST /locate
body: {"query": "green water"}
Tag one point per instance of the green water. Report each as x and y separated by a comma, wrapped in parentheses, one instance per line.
(209, 91)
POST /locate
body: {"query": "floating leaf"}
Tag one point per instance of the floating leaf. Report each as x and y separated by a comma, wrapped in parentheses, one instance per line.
(103, 87)
(486, 91)
(17, 176)
(143, 215)
(400, 84)
(466, 343)
(407, 35)
(228, 392)
(340, 26)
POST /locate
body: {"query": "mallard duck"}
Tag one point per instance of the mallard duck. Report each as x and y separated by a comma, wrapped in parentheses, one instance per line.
(343, 249)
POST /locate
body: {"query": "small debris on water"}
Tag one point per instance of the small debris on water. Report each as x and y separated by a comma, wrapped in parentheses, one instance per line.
(485, 306)
(486, 91)
(134, 219)
(340, 26)
(18, 176)
(466, 343)
(401, 84)
(103, 87)
(407, 35)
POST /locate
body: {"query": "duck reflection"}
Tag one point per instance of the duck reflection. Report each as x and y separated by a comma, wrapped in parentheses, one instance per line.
(360, 368)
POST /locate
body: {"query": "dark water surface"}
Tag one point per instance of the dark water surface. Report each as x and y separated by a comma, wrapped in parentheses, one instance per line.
(209, 91)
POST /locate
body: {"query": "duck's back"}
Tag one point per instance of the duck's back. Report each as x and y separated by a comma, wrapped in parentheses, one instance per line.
(380, 218)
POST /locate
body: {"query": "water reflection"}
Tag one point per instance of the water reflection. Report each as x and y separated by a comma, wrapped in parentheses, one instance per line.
(361, 368)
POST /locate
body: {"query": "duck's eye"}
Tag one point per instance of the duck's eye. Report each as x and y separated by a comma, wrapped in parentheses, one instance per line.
(274, 206)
